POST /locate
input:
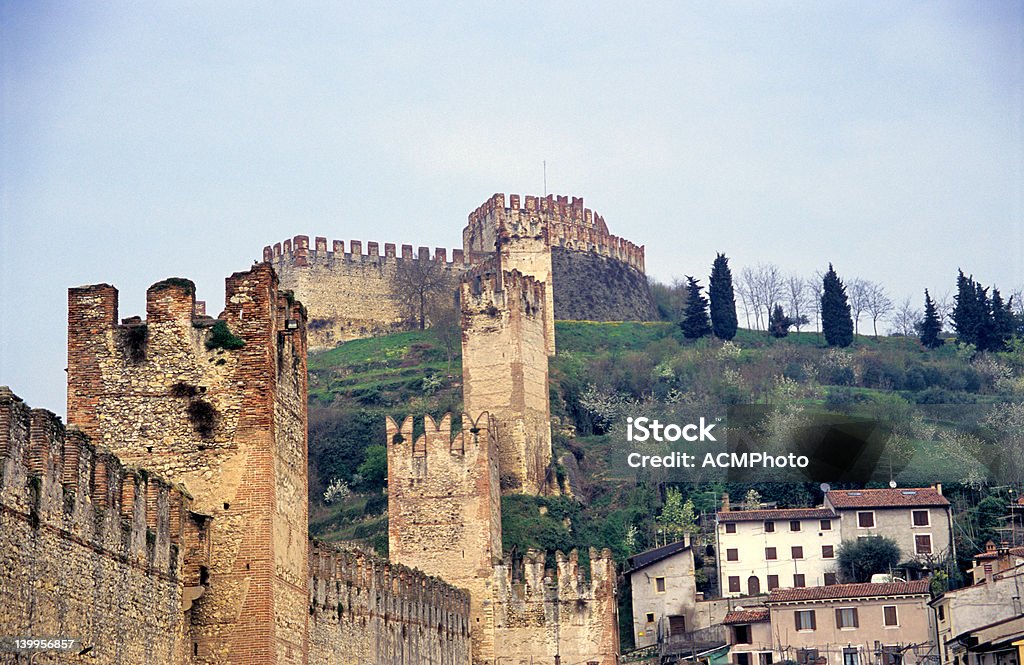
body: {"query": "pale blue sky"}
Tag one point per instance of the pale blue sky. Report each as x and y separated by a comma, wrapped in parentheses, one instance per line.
(144, 140)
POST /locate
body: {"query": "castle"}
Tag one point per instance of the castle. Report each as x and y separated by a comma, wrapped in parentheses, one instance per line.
(591, 273)
(168, 523)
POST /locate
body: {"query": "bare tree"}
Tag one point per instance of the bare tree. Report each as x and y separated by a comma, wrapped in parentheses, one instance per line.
(857, 291)
(751, 291)
(799, 300)
(1017, 301)
(878, 304)
(906, 318)
(772, 285)
(419, 283)
(944, 306)
(744, 295)
(816, 288)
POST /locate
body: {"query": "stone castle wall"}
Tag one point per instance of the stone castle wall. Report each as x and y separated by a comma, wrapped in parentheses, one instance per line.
(542, 613)
(591, 273)
(228, 424)
(89, 549)
(349, 294)
(366, 610)
(505, 370)
(444, 508)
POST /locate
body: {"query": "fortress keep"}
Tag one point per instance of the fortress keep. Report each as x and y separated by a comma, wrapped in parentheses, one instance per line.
(591, 273)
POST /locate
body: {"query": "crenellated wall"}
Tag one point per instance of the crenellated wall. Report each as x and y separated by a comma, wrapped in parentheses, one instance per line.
(444, 507)
(366, 610)
(90, 549)
(541, 614)
(350, 294)
(227, 423)
(505, 370)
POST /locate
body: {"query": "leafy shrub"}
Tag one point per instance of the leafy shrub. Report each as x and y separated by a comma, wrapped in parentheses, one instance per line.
(221, 337)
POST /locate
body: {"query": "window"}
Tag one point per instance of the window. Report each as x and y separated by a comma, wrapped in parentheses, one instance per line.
(732, 555)
(798, 551)
(942, 613)
(825, 525)
(923, 544)
(659, 584)
(889, 617)
(805, 621)
(849, 656)
(734, 584)
(743, 659)
(730, 527)
(773, 582)
(770, 554)
(830, 579)
(769, 527)
(866, 520)
(794, 525)
(741, 634)
(921, 518)
(806, 656)
(798, 580)
(828, 552)
(764, 658)
(846, 617)
(650, 617)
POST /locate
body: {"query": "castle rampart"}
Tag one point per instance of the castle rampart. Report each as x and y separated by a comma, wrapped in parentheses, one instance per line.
(505, 370)
(543, 614)
(366, 610)
(351, 294)
(89, 548)
(218, 406)
(444, 507)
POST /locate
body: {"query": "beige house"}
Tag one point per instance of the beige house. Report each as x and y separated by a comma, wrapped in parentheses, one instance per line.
(850, 624)
(664, 592)
(750, 636)
(763, 550)
(996, 600)
(917, 518)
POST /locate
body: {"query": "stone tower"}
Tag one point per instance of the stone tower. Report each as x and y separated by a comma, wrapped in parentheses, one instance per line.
(505, 370)
(444, 509)
(218, 406)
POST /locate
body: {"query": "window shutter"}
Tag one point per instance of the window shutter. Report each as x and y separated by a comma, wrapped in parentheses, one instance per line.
(856, 624)
(814, 623)
(839, 619)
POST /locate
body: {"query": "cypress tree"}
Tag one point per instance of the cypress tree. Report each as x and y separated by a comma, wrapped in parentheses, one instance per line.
(695, 322)
(1002, 321)
(985, 334)
(836, 321)
(967, 317)
(931, 326)
(779, 323)
(723, 299)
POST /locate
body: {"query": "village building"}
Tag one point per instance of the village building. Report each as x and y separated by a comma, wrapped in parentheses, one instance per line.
(663, 592)
(841, 624)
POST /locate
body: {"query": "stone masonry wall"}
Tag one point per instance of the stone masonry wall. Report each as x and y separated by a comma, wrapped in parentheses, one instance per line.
(444, 509)
(349, 295)
(505, 370)
(365, 610)
(542, 614)
(89, 549)
(230, 425)
(592, 287)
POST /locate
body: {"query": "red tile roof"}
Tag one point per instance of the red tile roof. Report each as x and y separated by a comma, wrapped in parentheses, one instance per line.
(746, 616)
(836, 591)
(775, 514)
(886, 498)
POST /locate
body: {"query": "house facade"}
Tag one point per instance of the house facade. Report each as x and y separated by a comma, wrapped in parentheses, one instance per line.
(852, 624)
(917, 518)
(762, 550)
(664, 592)
(966, 617)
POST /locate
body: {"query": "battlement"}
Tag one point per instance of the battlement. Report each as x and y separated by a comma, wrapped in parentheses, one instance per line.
(561, 221)
(530, 575)
(437, 439)
(297, 252)
(56, 480)
(490, 289)
(405, 587)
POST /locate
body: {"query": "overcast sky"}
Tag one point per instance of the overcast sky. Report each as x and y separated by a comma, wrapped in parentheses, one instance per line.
(145, 140)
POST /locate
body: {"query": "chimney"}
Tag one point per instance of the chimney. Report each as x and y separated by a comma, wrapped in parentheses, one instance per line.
(725, 502)
(938, 488)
